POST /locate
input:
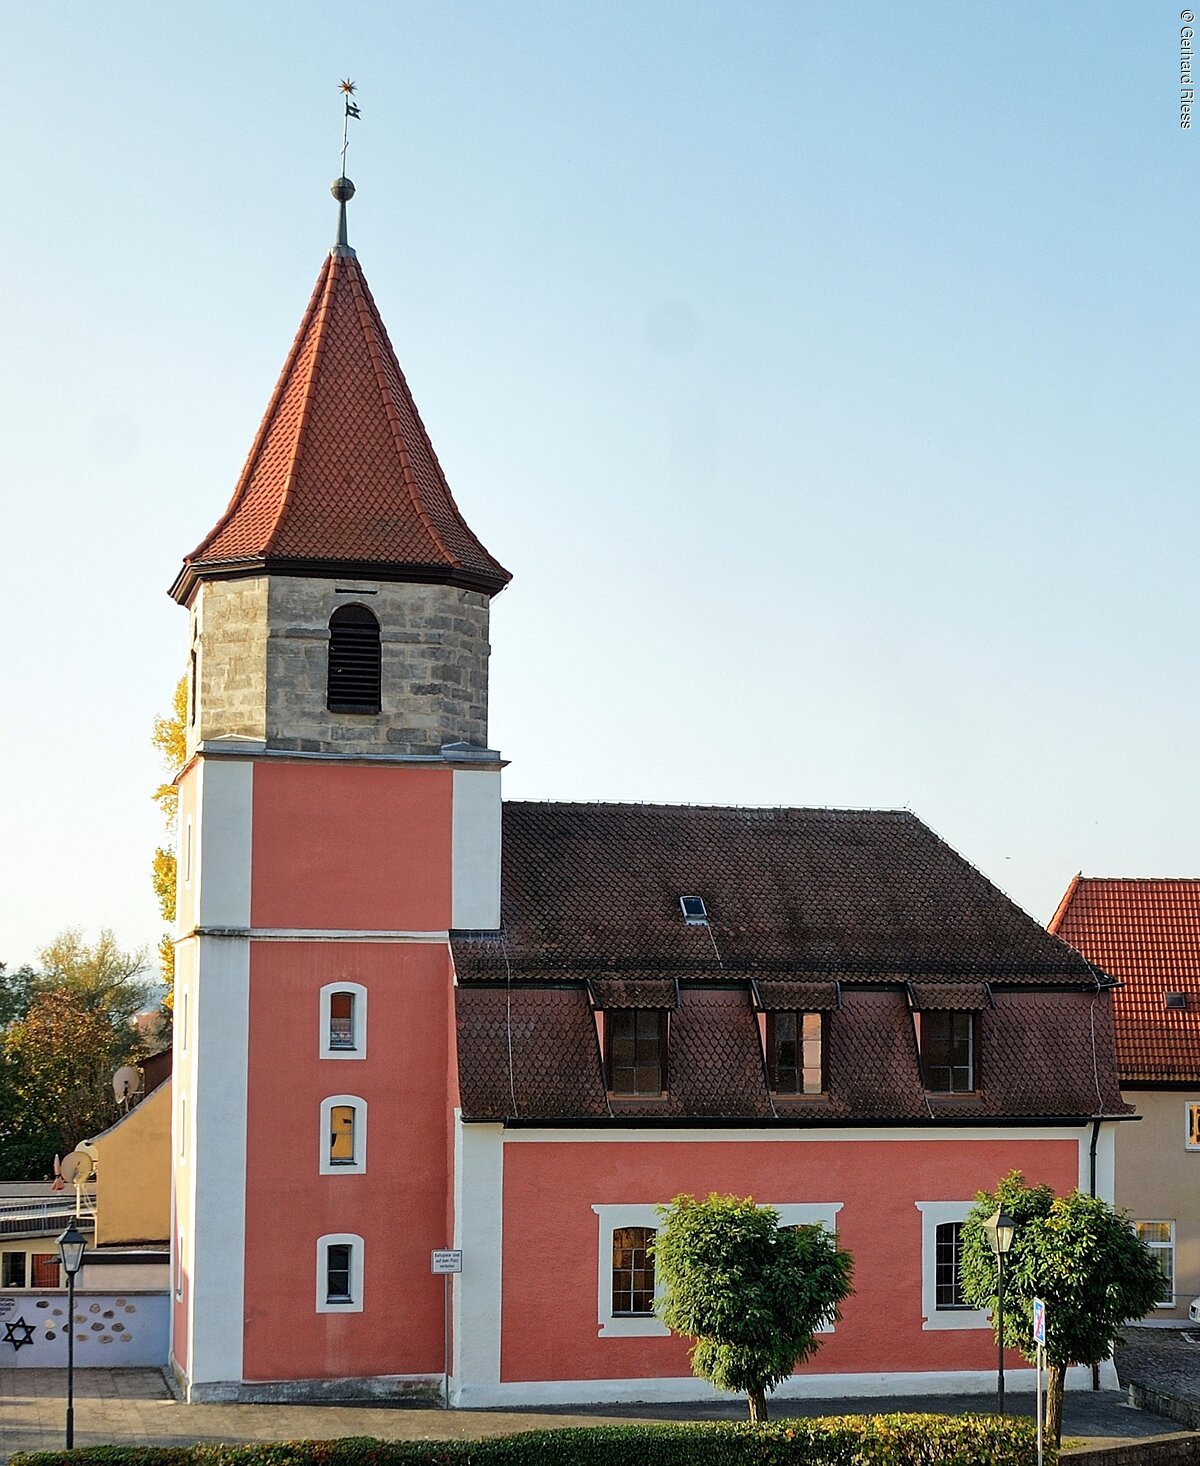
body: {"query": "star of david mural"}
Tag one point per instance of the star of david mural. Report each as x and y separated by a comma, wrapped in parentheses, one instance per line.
(18, 1327)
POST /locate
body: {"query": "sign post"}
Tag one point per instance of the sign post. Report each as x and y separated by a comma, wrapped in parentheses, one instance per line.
(448, 1260)
(1039, 1338)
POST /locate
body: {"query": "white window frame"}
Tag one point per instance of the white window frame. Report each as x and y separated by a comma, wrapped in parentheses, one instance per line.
(935, 1214)
(359, 1051)
(1188, 1107)
(612, 1217)
(1157, 1247)
(358, 1166)
(355, 1244)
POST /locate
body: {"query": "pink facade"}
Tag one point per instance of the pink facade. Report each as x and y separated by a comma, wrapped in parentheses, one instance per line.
(550, 1189)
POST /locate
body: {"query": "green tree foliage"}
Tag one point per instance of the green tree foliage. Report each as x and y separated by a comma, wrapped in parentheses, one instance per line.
(1075, 1252)
(59, 1062)
(170, 739)
(16, 992)
(751, 1293)
(73, 1027)
(104, 977)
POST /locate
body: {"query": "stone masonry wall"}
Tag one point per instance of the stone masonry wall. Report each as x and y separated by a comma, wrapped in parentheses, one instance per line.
(229, 636)
(434, 641)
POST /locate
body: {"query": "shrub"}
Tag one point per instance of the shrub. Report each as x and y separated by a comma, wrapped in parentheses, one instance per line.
(848, 1440)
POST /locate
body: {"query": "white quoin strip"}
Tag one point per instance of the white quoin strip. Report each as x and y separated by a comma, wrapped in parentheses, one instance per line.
(475, 859)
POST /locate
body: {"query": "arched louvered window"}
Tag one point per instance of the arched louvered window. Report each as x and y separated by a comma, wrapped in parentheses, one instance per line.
(354, 661)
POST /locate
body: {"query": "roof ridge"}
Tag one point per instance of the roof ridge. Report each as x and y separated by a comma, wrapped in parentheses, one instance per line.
(649, 804)
(297, 455)
(368, 318)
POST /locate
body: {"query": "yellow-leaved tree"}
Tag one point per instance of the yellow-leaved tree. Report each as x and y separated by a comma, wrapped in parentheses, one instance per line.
(170, 738)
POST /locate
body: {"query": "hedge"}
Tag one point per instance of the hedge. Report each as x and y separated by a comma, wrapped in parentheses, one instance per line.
(850, 1440)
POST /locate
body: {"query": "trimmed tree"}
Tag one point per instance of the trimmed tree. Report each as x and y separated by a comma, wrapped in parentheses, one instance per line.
(1075, 1252)
(752, 1294)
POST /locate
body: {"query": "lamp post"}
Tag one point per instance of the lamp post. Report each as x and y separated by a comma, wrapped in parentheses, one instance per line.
(70, 1252)
(999, 1231)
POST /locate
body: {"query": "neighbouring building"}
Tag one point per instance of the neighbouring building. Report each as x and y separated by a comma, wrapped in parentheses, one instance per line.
(1146, 934)
(409, 1019)
(121, 1296)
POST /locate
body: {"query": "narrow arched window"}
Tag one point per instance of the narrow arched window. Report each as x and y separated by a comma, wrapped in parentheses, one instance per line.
(354, 661)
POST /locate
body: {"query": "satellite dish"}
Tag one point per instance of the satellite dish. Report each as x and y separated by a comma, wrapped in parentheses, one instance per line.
(126, 1082)
(76, 1167)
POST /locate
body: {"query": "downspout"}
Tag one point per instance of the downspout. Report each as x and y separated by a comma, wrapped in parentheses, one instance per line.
(1097, 1120)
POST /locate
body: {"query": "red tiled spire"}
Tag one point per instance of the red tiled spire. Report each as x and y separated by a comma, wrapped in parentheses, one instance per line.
(342, 478)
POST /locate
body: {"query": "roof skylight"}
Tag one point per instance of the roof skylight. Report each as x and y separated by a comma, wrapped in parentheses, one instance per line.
(694, 911)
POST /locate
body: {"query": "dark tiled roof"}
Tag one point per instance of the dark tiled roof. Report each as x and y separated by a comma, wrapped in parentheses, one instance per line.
(776, 996)
(796, 892)
(342, 472)
(946, 997)
(1146, 933)
(634, 992)
(802, 904)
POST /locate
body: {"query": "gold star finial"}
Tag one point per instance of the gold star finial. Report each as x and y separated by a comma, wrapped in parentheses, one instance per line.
(346, 86)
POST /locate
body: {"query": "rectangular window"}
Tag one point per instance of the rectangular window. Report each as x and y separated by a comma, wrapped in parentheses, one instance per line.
(1159, 1237)
(341, 1135)
(337, 1273)
(796, 1053)
(341, 1020)
(12, 1272)
(636, 1050)
(948, 1052)
(1192, 1123)
(632, 1272)
(947, 1286)
(43, 1271)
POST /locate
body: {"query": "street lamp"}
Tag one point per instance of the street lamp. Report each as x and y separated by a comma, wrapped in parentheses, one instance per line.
(70, 1252)
(999, 1231)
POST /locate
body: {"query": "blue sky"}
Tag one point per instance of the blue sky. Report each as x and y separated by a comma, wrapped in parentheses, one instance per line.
(825, 375)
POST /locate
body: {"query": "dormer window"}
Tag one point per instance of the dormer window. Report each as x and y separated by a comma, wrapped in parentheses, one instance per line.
(694, 911)
(355, 661)
(948, 1057)
(635, 1051)
(796, 1053)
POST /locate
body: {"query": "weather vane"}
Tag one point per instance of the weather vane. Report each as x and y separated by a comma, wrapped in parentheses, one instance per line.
(347, 89)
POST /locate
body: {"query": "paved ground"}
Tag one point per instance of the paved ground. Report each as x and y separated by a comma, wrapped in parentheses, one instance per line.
(135, 1405)
(1164, 1359)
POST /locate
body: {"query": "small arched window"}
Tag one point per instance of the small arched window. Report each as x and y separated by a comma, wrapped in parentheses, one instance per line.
(354, 661)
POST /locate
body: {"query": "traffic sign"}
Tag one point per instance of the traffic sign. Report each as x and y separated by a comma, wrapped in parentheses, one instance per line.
(1039, 1321)
(446, 1260)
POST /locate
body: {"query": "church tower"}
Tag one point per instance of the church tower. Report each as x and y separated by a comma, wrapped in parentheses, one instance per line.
(339, 816)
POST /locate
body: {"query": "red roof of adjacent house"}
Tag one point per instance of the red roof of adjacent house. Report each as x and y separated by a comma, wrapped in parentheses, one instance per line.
(342, 478)
(1147, 934)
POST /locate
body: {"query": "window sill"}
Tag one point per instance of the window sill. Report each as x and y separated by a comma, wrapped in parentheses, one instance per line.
(639, 1326)
(958, 1318)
